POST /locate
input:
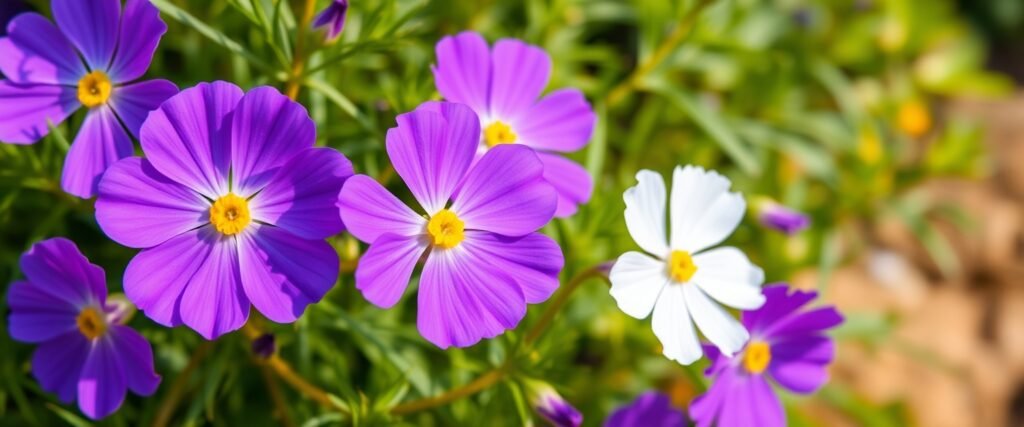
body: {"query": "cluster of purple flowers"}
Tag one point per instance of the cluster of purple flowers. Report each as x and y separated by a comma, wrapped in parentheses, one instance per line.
(232, 205)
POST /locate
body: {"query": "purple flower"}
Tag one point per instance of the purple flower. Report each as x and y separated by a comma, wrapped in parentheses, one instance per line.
(85, 351)
(47, 81)
(502, 85)
(333, 17)
(485, 261)
(551, 406)
(781, 218)
(231, 206)
(651, 409)
(787, 344)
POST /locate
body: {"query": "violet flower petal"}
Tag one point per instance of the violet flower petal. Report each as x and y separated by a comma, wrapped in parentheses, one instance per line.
(386, 267)
(267, 129)
(133, 102)
(35, 51)
(369, 211)
(561, 121)
(302, 197)
(91, 26)
(101, 142)
(26, 111)
(519, 72)
(570, 180)
(463, 70)
(139, 35)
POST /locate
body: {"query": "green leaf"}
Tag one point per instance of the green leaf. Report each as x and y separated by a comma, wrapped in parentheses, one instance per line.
(209, 32)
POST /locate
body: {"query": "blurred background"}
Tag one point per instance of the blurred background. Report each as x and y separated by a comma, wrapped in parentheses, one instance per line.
(896, 125)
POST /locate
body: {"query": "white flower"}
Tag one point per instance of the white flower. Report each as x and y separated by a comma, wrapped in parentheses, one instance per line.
(683, 280)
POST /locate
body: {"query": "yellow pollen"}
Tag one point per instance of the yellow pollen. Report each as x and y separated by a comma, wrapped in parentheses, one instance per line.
(499, 133)
(914, 119)
(446, 229)
(757, 357)
(91, 323)
(230, 214)
(681, 267)
(94, 89)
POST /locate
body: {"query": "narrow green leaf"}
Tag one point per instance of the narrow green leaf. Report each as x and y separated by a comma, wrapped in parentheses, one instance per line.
(209, 32)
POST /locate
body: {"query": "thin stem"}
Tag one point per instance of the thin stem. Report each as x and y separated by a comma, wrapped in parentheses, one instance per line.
(619, 92)
(178, 388)
(481, 383)
(299, 58)
(563, 297)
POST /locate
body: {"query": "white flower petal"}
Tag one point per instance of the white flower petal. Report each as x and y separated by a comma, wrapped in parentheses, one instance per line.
(645, 212)
(714, 322)
(673, 327)
(726, 275)
(637, 279)
(703, 212)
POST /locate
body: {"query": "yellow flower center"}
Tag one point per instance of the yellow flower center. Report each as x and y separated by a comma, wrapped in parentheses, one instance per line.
(91, 323)
(230, 214)
(446, 229)
(757, 357)
(499, 133)
(681, 267)
(914, 118)
(94, 89)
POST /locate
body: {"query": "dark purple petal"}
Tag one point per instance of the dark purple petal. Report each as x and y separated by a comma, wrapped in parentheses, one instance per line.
(133, 102)
(369, 211)
(35, 51)
(781, 218)
(533, 261)
(558, 412)
(303, 196)
(800, 364)
(156, 278)
(266, 131)
(386, 267)
(37, 316)
(91, 26)
(562, 121)
(333, 17)
(651, 409)
(188, 139)
(463, 299)
(571, 181)
(102, 386)
(138, 207)
(779, 303)
(463, 70)
(283, 273)
(432, 148)
(506, 193)
(214, 301)
(57, 364)
(135, 356)
(56, 267)
(141, 29)
(100, 143)
(807, 322)
(519, 73)
(26, 110)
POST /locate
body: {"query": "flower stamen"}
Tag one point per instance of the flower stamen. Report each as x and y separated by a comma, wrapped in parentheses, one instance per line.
(446, 230)
(230, 214)
(681, 267)
(757, 357)
(91, 323)
(94, 89)
(499, 133)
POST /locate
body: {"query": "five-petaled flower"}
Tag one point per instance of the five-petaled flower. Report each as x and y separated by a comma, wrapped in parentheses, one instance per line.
(788, 345)
(485, 261)
(651, 409)
(231, 206)
(85, 351)
(47, 81)
(683, 279)
(502, 85)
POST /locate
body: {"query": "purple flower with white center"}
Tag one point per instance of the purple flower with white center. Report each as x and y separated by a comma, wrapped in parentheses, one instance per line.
(333, 17)
(230, 207)
(651, 409)
(47, 81)
(551, 406)
(781, 218)
(502, 85)
(85, 352)
(787, 345)
(485, 261)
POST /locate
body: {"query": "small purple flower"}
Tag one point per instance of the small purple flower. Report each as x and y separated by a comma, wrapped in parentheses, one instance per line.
(485, 261)
(85, 352)
(781, 218)
(552, 407)
(333, 17)
(502, 85)
(787, 345)
(230, 207)
(47, 81)
(651, 409)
